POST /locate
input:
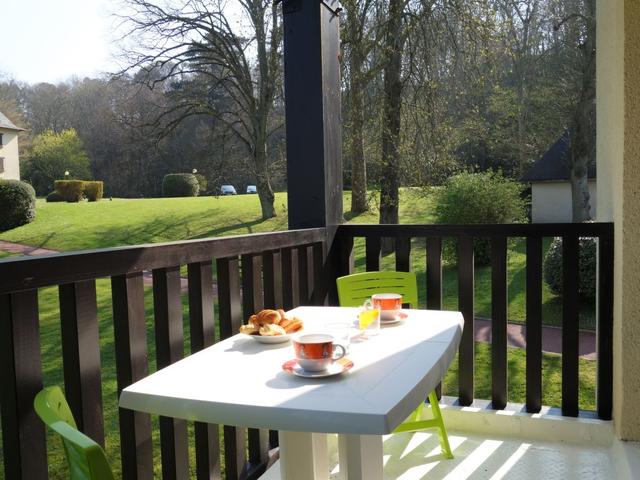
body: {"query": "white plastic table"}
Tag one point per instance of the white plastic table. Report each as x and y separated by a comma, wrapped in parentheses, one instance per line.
(240, 382)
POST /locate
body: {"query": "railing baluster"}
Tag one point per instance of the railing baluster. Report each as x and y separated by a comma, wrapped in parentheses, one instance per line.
(202, 333)
(403, 254)
(131, 365)
(373, 246)
(167, 310)
(466, 355)
(81, 356)
(290, 283)
(303, 275)
(534, 324)
(228, 276)
(23, 433)
(570, 325)
(434, 273)
(499, 322)
(604, 385)
(252, 302)
(319, 295)
(272, 273)
(434, 281)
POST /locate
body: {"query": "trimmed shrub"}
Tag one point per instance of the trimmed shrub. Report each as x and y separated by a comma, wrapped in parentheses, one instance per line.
(17, 204)
(180, 185)
(54, 197)
(93, 190)
(469, 198)
(552, 267)
(70, 190)
(202, 183)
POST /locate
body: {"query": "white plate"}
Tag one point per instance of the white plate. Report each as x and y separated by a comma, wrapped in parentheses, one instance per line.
(336, 368)
(271, 338)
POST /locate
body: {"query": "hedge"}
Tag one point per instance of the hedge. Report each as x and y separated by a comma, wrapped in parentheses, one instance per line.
(470, 198)
(180, 185)
(54, 197)
(17, 204)
(70, 190)
(552, 267)
(202, 183)
(93, 190)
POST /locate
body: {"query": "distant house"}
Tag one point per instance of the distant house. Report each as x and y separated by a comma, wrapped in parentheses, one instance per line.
(550, 181)
(9, 157)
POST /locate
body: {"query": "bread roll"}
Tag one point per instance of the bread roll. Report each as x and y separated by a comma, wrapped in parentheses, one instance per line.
(249, 329)
(271, 329)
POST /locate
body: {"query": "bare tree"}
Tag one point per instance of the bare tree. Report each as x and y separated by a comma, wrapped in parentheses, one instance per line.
(178, 41)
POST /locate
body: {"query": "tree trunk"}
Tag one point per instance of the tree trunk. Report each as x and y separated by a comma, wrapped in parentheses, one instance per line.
(355, 140)
(263, 184)
(390, 181)
(583, 141)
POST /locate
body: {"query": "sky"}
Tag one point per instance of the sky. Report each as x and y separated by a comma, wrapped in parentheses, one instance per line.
(52, 40)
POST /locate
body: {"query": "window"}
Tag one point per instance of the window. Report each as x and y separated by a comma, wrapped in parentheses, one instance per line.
(1, 144)
(1, 164)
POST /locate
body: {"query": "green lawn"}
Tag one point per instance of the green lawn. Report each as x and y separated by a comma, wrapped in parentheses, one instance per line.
(120, 222)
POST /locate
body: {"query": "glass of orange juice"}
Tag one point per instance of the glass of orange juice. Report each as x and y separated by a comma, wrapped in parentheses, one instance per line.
(369, 319)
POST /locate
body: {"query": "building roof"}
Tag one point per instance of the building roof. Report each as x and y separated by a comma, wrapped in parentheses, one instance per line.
(8, 124)
(554, 164)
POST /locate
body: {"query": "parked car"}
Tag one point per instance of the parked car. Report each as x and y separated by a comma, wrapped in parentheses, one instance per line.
(252, 189)
(228, 190)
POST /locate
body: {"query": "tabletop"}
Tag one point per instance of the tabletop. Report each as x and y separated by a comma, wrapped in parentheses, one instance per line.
(241, 382)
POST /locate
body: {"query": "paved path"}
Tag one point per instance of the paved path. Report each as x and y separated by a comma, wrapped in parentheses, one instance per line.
(551, 338)
(516, 333)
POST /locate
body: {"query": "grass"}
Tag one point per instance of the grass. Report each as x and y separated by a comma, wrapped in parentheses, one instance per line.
(67, 227)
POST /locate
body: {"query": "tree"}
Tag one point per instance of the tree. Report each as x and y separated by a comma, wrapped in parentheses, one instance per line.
(580, 36)
(51, 155)
(178, 44)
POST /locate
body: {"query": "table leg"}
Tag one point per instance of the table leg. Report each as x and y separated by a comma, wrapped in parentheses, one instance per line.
(360, 457)
(303, 455)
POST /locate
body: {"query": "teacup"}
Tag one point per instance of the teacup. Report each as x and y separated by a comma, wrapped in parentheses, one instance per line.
(316, 351)
(388, 303)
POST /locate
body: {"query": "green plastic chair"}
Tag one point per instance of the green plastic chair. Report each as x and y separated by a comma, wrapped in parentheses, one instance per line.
(86, 459)
(353, 290)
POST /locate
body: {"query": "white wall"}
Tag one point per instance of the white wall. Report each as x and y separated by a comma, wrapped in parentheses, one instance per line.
(9, 151)
(551, 201)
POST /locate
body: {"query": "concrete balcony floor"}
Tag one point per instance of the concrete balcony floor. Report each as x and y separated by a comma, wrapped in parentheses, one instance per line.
(417, 456)
(508, 444)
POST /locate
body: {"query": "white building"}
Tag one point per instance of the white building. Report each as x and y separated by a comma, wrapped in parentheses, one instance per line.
(551, 185)
(9, 156)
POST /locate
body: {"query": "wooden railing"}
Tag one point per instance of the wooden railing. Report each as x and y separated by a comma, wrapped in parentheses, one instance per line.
(250, 272)
(498, 236)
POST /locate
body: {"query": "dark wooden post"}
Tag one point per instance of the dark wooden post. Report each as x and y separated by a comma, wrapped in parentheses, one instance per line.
(314, 125)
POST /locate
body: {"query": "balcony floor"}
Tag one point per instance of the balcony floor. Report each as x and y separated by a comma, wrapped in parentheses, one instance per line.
(417, 456)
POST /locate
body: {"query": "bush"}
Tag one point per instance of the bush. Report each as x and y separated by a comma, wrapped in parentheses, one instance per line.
(70, 190)
(469, 198)
(17, 204)
(552, 267)
(54, 197)
(93, 190)
(180, 185)
(202, 183)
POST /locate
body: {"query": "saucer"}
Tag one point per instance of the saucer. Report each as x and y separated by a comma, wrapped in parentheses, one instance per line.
(336, 368)
(396, 318)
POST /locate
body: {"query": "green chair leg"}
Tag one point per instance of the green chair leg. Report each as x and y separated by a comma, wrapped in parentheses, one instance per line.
(415, 424)
(437, 416)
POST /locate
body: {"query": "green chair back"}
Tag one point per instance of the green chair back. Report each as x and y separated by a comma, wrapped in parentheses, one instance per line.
(86, 459)
(354, 289)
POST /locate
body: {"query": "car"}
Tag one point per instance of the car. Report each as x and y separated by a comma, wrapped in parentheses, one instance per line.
(252, 189)
(228, 190)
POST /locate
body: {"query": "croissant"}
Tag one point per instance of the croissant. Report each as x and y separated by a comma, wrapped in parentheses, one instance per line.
(267, 317)
(271, 330)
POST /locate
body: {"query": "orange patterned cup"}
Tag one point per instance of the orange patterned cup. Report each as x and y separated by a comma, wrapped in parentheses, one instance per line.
(388, 303)
(315, 351)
